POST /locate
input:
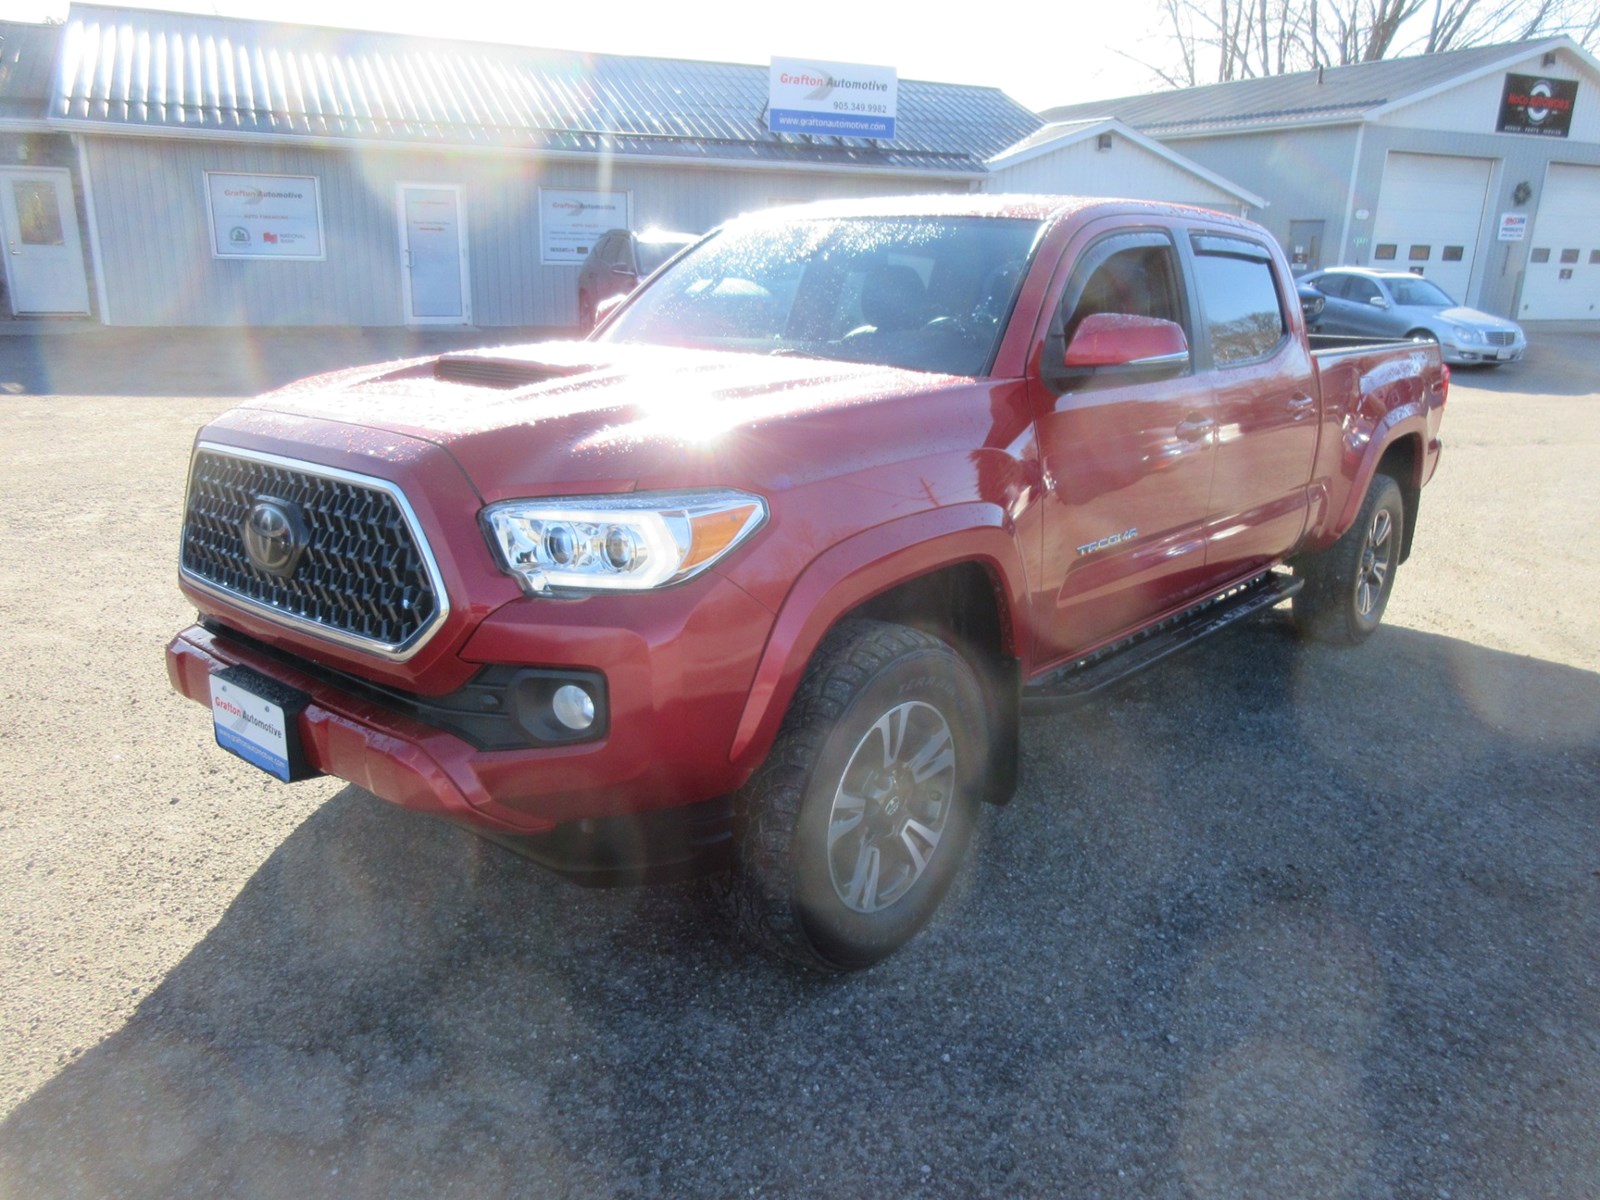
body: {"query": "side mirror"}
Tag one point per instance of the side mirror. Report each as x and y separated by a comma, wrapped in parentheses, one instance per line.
(1123, 340)
(1378, 302)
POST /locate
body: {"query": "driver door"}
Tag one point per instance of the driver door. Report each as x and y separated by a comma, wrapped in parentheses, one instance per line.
(1127, 460)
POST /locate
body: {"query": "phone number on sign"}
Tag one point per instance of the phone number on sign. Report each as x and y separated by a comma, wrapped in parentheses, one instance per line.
(846, 106)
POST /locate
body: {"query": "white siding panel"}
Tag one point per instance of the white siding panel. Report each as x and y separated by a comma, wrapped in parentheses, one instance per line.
(1126, 170)
(1474, 107)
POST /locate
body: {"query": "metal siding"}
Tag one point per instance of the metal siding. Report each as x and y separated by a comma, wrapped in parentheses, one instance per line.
(1124, 170)
(1305, 174)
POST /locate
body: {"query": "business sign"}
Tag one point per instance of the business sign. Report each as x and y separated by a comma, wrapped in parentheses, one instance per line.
(571, 222)
(264, 216)
(831, 99)
(1537, 105)
(1513, 227)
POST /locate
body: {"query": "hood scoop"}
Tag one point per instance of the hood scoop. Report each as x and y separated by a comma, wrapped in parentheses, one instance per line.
(505, 373)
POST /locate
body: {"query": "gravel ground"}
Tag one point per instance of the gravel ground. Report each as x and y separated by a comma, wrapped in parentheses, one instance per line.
(1274, 921)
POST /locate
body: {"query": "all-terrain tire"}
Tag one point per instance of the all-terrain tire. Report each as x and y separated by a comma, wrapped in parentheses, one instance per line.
(1348, 585)
(849, 835)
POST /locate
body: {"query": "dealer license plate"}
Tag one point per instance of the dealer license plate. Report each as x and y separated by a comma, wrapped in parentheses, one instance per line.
(257, 719)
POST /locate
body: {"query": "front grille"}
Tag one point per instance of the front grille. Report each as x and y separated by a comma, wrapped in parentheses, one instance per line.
(1497, 337)
(364, 576)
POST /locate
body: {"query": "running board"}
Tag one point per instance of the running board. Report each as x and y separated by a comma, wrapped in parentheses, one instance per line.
(1095, 672)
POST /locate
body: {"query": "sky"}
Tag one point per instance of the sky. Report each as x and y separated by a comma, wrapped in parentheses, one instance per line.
(1038, 54)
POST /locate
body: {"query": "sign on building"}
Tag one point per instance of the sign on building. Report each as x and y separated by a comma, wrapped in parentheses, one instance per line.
(264, 216)
(832, 99)
(571, 222)
(1532, 104)
(1513, 227)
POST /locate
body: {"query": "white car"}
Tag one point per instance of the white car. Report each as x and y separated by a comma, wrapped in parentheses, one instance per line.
(1393, 304)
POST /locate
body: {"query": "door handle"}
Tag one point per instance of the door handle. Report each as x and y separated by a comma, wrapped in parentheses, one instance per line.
(1194, 431)
(1300, 405)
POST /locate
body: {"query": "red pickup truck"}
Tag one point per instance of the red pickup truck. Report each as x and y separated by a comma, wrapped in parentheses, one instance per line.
(765, 572)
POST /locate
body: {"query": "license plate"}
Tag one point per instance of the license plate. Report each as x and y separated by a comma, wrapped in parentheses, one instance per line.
(258, 719)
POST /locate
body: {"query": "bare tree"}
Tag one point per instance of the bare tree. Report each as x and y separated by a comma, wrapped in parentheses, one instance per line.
(1219, 40)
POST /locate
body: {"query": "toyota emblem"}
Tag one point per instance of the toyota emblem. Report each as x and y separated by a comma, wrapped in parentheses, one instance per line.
(274, 536)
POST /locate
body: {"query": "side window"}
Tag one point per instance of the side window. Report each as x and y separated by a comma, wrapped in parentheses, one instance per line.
(1331, 285)
(1134, 273)
(1363, 291)
(1240, 306)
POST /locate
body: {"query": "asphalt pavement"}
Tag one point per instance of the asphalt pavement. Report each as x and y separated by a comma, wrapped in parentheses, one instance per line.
(1274, 920)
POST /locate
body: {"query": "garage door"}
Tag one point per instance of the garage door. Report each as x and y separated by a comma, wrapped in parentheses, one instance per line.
(1563, 279)
(1429, 214)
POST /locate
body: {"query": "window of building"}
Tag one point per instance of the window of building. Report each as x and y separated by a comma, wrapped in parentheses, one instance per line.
(1569, 256)
(1420, 253)
(1384, 252)
(1541, 254)
(1453, 253)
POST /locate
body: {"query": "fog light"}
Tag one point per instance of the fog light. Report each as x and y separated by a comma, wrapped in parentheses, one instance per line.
(573, 706)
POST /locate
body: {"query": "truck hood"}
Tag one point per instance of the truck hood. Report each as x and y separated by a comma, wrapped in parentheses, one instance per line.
(588, 417)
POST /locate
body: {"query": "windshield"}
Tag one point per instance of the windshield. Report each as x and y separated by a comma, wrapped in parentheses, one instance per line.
(1419, 293)
(653, 253)
(925, 293)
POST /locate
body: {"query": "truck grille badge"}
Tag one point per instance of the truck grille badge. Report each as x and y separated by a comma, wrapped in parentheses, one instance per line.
(274, 536)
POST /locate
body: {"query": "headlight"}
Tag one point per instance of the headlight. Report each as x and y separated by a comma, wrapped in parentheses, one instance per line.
(1470, 336)
(631, 542)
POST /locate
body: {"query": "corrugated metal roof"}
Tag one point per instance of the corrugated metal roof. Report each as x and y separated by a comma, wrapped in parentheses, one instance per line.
(27, 54)
(1306, 97)
(220, 75)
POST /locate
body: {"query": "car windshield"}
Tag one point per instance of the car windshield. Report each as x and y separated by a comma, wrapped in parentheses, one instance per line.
(1419, 293)
(653, 253)
(925, 293)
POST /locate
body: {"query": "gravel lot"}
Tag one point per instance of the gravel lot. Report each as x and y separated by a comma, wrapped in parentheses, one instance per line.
(1275, 921)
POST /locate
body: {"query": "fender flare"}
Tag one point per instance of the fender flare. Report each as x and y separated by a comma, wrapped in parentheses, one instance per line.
(1365, 450)
(853, 571)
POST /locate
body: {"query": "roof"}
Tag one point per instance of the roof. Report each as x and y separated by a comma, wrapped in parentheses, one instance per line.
(183, 74)
(1329, 95)
(27, 54)
(1061, 134)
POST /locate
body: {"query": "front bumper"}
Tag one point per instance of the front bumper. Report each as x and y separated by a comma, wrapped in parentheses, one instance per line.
(1473, 355)
(675, 695)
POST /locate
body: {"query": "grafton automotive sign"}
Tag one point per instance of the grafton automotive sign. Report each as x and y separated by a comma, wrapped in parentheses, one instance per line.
(833, 99)
(1538, 105)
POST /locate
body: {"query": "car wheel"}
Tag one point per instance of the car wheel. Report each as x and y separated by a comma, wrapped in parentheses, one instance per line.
(1347, 587)
(849, 835)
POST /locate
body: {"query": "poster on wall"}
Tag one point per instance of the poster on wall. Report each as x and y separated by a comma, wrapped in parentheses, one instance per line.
(264, 216)
(570, 222)
(838, 99)
(1531, 104)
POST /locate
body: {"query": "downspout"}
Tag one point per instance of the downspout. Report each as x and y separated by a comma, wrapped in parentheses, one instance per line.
(96, 256)
(1350, 196)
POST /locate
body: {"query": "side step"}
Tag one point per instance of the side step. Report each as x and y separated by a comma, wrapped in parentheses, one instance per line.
(1095, 672)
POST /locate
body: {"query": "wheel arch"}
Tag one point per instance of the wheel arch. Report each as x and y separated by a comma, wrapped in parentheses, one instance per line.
(953, 572)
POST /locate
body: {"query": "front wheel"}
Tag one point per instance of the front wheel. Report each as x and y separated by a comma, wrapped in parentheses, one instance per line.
(1348, 585)
(850, 834)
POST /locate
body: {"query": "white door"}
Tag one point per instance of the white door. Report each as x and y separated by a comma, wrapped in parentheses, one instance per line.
(44, 256)
(1430, 211)
(1563, 279)
(433, 244)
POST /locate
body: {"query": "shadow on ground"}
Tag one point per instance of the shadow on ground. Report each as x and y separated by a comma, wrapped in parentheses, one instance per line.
(215, 362)
(1276, 921)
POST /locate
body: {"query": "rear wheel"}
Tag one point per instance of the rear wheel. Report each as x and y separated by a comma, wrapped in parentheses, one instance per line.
(850, 834)
(1348, 585)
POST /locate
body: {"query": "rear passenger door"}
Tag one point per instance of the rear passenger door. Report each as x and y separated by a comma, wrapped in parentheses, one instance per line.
(1266, 406)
